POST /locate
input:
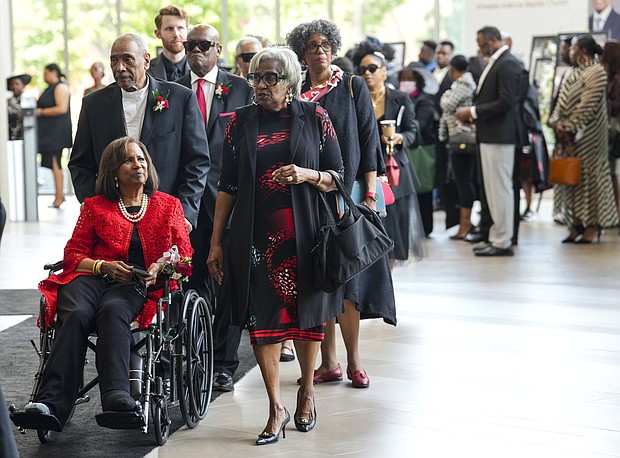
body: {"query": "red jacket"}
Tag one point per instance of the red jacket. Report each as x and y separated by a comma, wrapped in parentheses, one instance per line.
(102, 232)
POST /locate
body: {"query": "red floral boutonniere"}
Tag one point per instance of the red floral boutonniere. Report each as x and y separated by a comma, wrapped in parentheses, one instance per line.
(161, 101)
(222, 89)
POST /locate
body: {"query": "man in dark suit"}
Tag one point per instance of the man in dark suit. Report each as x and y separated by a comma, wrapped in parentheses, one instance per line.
(218, 93)
(604, 19)
(172, 24)
(164, 116)
(495, 112)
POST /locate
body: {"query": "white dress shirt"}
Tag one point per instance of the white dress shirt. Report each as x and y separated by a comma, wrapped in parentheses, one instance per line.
(134, 107)
(208, 88)
(599, 19)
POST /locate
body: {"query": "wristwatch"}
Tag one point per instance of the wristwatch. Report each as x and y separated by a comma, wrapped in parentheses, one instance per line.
(372, 195)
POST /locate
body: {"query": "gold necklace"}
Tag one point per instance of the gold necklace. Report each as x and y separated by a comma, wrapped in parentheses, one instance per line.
(379, 98)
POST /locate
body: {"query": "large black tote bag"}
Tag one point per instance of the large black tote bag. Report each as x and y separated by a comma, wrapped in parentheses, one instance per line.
(347, 246)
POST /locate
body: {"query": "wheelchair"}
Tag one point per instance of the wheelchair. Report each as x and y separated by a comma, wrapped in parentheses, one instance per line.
(183, 335)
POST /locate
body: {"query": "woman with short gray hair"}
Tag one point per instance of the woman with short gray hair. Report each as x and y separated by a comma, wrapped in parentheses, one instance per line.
(275, 162)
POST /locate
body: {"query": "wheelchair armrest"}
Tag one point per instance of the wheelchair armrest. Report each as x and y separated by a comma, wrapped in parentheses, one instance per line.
(54, 266)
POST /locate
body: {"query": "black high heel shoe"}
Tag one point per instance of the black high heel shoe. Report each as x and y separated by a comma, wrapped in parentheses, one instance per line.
(577, 230)
(305, 424)
(596, 235)
(266, 438)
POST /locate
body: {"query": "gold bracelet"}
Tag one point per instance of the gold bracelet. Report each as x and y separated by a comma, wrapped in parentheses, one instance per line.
(95, 267)
(101, 261)
(320, 180)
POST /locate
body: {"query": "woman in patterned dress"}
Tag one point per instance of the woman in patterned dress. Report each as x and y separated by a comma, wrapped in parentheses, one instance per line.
(580, 121)
(276, 156)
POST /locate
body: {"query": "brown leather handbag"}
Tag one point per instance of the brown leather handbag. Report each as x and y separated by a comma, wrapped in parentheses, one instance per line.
(564, 168)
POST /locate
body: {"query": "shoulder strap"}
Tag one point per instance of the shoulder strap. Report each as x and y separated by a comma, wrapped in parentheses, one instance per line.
(351, 85)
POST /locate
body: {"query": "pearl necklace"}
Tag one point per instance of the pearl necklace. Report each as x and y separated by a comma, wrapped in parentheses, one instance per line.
(134, 217)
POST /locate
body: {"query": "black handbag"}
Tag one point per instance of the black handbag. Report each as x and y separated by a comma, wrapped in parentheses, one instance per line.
(462, 144)
(346, 247)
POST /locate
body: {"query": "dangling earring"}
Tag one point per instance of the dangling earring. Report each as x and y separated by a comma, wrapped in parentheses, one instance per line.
(116, 182)
(254, 98)
(289, 97)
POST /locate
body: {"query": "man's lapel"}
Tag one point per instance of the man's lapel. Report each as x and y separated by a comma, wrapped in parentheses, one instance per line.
(217, 104)
(117, 123)
(150, 116)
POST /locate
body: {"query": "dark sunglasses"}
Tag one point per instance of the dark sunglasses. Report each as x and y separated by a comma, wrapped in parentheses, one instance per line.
(313, 47)
(270, 79)
(371, 68)
(204, 45)
(246, 56)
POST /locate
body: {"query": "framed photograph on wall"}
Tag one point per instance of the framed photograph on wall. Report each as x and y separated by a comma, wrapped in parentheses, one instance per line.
(399, 53)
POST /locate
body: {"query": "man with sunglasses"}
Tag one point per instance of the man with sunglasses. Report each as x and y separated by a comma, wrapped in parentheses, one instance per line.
(245, 50)
(219, 94)
(172, 24)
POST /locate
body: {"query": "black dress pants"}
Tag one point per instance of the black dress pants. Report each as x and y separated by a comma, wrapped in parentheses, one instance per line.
(89, 304)
(226, 337)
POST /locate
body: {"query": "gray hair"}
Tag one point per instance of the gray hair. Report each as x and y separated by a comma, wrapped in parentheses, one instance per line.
(137, 39)
(245, 40)
(288, 64)
(299, 36)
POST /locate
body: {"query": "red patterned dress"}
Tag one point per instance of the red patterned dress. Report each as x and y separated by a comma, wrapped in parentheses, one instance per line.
(272, 309)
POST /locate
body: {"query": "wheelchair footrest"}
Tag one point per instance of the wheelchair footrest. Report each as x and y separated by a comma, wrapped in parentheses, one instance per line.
(120, 420)
(28, 420)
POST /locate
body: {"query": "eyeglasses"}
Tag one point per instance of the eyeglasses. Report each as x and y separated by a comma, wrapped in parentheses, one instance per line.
(313, 47)
(204, 45)
(246, 56)
(270, 79)
(371, 68)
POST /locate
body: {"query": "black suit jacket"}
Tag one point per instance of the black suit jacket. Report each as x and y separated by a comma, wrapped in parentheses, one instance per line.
(611, 27)
(174, 138)
(496, 103)
(240, 94)
(158, 70)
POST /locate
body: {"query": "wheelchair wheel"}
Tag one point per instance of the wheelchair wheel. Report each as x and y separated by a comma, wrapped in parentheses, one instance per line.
(200, 350)
(195, 370)
(44, 435)
(161, 420)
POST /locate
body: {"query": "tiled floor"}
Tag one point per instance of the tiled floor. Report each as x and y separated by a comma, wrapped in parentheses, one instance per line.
(499, 358)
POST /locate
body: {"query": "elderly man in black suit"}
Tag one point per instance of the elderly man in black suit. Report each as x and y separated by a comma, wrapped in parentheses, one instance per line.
(218, 93)
(164, 116)
(604, 19)
(172, 23)
(495, 112)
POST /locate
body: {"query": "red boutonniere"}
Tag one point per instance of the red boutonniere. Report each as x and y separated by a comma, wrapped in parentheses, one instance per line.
(222, 89)
(161, 101)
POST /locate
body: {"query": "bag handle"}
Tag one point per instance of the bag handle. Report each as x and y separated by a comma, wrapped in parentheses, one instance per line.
(346, 196)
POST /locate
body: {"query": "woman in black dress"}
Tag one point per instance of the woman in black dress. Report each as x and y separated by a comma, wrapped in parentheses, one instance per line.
(275, 159)
(347, 100)
(54, 126)
(403, 222)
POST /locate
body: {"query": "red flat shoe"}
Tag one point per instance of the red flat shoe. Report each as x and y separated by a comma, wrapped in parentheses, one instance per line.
(359, 379)
(335, 375)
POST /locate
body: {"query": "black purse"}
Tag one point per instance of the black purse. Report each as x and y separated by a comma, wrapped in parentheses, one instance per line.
(462, 144)
(346, 247)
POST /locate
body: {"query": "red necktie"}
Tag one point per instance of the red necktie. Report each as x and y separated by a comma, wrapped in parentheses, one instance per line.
(200, 95)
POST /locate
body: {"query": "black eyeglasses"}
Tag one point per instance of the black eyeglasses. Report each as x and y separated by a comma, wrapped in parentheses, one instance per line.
(204, 45)
(270, 79)
(371, 68)
(246, 56)
(313, 47)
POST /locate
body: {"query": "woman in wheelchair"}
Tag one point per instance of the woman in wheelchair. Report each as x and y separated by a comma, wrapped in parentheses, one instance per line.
(128, 225)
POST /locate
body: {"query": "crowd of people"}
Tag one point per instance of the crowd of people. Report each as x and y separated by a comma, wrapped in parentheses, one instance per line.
(243, 156)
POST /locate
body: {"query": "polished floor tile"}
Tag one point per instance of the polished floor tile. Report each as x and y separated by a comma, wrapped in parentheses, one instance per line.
(491, 358)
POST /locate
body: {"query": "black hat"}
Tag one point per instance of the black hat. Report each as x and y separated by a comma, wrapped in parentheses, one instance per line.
(24, 78)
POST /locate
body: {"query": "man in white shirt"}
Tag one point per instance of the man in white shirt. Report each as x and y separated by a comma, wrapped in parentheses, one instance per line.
(163, 115)
(495, 113)
(172, 24)
(604, 19)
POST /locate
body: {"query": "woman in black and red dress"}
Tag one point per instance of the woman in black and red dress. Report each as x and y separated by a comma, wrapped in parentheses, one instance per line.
(276, 156)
